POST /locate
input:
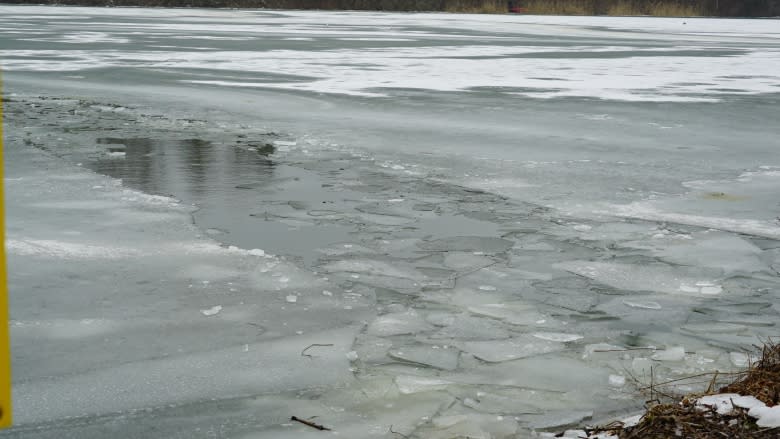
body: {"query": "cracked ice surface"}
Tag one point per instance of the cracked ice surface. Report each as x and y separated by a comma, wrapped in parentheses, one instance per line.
(477, 256)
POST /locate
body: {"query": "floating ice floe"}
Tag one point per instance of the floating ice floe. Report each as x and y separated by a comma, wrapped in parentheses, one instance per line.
(214, 310)
(408, 322)
(439, 357)
(256, 252)
(661, 278)
(510, 349)
(676, 353)
(408, 384)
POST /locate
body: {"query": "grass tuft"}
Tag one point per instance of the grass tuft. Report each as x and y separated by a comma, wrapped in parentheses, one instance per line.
(476, 7)
(684, 419)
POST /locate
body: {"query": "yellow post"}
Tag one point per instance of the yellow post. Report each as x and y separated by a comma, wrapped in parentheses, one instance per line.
(5, 341)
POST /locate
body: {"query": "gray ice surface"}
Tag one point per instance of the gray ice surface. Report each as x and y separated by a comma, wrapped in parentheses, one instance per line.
(432, 225)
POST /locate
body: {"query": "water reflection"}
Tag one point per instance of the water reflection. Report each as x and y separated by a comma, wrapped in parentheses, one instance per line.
(229, 182)
(191, 169)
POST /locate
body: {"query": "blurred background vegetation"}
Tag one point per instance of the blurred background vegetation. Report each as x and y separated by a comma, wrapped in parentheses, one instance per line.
(672, 8)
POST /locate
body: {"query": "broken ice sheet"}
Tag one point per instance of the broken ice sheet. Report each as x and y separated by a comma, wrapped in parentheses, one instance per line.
(440, 357)
(713, 249)
(407, 322)
(510, 349)
(631, 277)
(465, 327)
(516, 313)
(466, 261)
(408, 384)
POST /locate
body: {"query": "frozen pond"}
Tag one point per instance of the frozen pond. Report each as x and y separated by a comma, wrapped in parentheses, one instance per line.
(427, 225)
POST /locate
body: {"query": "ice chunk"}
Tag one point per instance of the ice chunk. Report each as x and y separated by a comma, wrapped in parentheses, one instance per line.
(557, 336)
(617, 380)
(676, 353)
(211, 311)
(510, 349)
(430, 355)
(408, 384)
(408, 322)
(642, 304)
(352, 356)
(291, 298)
(256, 252)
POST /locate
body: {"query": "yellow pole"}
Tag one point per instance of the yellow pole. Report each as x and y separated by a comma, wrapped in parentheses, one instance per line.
(5, 341)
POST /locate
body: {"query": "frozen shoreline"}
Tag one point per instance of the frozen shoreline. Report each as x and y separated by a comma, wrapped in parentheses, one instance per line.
(483, 263)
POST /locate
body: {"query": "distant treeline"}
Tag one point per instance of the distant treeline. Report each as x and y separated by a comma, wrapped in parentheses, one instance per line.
(725, 8)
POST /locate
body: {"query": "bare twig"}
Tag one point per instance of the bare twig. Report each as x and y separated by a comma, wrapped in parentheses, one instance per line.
(304, 354)
(397, 432)
(309, 423)
(711, 386)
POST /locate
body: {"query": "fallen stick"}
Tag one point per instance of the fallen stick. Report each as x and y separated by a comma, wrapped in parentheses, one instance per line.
(304, 354)
(309, 423)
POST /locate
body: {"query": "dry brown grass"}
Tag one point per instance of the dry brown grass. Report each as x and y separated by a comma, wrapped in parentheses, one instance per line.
(471, 7)
(762, 379)
(557, 7)
(683, 419)
(659, 8)
(674, 9)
